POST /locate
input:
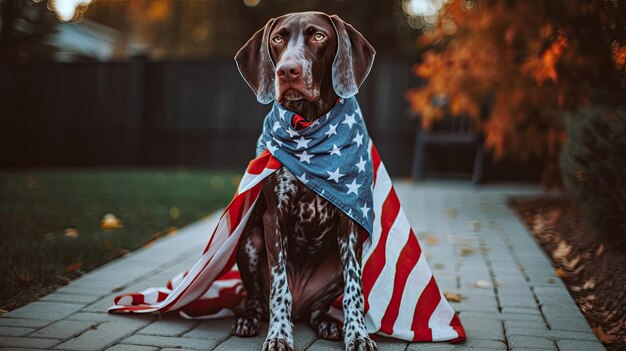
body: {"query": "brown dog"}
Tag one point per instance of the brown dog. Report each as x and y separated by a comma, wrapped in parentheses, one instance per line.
(299, 252)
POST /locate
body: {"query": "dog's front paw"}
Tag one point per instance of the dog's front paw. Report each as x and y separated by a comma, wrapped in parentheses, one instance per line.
(329, 330)
(246, 326)
(277, 344)
(361, 344)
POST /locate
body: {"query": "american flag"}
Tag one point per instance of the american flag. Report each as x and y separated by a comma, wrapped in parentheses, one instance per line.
(402, 298)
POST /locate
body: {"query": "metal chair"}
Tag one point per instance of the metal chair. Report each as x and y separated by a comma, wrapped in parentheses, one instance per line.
(448, 131)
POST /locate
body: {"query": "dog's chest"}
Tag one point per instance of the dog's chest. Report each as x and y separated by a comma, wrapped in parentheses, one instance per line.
(312, 221)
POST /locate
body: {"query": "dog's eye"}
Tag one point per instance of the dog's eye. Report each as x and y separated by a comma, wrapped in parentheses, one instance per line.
(277, 39)
(319, 36)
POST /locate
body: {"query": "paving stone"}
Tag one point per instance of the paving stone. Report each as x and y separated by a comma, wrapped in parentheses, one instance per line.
(170, 325)
(15, 331)
(326, 345)
(569, 323)
(511, 326)
(534, 310)
(44, 310)
(437, 346)
(20, 322)
(32, 343)
(303, 336)
(390, 344)
(243, 344)
(104, 335)
(109, 317)
(70, 298)
(554, 334)
(64, 329)
(81, 290)
(505, 317)
(212, 329)
(571, 345)
(532, 342)
(123, 347)
(483, 328)
(172, 342)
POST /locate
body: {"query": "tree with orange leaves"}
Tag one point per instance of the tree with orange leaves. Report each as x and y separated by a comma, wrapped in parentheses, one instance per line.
(535, 59)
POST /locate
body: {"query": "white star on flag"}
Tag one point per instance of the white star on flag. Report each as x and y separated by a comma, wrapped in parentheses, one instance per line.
(353, 187)
(358, 139)
(276, 126)
(350, 121)
(271, 148)
(332, 129)
(305, 157)
(302, 143)
(282, 113)
(335, 175)
(335, 150)
(361, 165)
(365, 210)
(292, 133)
(349, 212)
(280, 143)
(303, 178)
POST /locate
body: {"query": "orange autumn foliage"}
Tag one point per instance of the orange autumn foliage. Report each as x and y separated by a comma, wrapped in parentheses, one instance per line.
(533, 60)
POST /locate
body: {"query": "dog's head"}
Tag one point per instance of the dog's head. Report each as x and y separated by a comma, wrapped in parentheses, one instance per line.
(305, 57)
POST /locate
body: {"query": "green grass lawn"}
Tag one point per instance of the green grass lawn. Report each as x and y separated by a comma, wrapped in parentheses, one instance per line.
(50, 228)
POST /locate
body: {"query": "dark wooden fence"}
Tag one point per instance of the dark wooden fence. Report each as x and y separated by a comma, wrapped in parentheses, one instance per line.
(142, 113)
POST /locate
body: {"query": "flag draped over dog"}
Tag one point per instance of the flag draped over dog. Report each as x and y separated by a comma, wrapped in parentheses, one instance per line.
(335, 157)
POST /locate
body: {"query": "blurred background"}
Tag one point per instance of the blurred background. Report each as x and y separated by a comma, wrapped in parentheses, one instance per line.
(122, 120)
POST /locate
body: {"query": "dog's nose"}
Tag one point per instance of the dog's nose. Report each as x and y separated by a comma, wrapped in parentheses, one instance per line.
(289, 71)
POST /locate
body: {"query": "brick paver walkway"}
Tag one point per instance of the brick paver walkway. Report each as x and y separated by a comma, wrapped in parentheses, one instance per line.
(469, 234)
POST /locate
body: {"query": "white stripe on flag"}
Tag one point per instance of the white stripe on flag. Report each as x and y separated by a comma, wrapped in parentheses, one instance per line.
(439, 321)
(382, 290)
(381, 191)
(415, 284)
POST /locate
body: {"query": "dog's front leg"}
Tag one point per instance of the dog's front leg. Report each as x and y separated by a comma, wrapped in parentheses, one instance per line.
(280, 333)
(355, 334)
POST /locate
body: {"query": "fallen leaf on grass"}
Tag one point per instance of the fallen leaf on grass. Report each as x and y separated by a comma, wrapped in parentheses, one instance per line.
(174, 213)
(602, 336)
(109, 222)
(453, 297)
(236, 180)
(73, 267)
(483, 284)
(70, 232)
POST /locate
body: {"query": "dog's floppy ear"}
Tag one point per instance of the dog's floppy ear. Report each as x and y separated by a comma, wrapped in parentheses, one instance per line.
(256, 66)
(353, 60)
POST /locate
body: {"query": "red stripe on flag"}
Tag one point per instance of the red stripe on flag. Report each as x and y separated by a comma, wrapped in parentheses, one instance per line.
(426, 305)
(257, 165)
(254, 191)
(407, 260)
(374, 265)
(375, 162)
(458, 327)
